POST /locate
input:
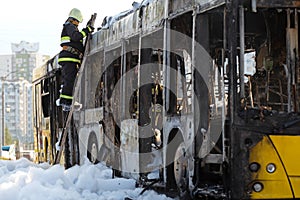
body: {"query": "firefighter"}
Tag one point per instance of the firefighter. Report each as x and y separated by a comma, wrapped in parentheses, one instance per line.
(71, 54)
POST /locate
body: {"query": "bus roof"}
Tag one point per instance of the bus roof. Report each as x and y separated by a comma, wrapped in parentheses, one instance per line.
(41, 71)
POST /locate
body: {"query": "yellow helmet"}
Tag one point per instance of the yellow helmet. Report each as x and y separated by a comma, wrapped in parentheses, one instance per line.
(76, 14)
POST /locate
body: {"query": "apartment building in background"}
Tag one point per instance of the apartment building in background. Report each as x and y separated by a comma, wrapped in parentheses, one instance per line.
(16, 76)
(25, 57)
(5, 65)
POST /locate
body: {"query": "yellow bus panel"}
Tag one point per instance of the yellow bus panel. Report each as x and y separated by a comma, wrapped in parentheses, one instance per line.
(275, 185)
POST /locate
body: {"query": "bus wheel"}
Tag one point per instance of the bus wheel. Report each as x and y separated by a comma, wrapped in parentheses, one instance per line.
(180, 167)
(177, 171)
(92, 150)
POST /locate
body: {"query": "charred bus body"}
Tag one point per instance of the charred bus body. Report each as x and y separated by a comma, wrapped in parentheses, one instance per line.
(200, 98)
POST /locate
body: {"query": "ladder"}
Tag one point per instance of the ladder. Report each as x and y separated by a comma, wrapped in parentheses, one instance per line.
(69, 116)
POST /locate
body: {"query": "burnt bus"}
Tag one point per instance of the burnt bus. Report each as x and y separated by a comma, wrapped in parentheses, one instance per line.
(194, 98)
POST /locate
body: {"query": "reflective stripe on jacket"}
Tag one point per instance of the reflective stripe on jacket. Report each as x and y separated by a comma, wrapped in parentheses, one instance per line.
(66, 59)
(66, 96)
(72, 37)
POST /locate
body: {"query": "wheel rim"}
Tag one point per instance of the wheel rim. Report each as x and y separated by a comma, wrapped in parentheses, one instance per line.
(180, 164)
(94, 153)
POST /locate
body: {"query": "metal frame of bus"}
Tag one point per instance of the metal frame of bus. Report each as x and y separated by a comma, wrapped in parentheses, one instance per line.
(226, 126)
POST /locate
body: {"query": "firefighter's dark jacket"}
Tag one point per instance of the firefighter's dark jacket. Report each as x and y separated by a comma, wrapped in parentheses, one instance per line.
(72, 37)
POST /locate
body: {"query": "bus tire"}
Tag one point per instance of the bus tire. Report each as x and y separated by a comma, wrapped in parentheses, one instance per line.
(177, 172)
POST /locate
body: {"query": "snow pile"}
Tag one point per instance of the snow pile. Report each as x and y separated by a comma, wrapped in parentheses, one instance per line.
(24, 180)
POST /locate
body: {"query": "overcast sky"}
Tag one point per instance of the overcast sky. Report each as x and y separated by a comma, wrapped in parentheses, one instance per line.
(41, 21)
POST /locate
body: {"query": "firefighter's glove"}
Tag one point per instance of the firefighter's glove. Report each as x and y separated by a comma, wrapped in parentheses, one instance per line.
(90, 29)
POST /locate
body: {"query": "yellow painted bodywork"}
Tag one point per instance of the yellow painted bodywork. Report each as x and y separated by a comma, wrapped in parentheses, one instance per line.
(288, 148)
(277, 185)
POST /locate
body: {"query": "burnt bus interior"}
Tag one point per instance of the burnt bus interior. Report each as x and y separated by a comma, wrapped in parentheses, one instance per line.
(130, 74)
(267, 101)
(268, 96)
(266, 32)
(209, 170)
(92, 87)
(111, 96)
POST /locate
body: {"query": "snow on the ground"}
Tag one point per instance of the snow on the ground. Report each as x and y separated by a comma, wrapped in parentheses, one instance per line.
(24, 180)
